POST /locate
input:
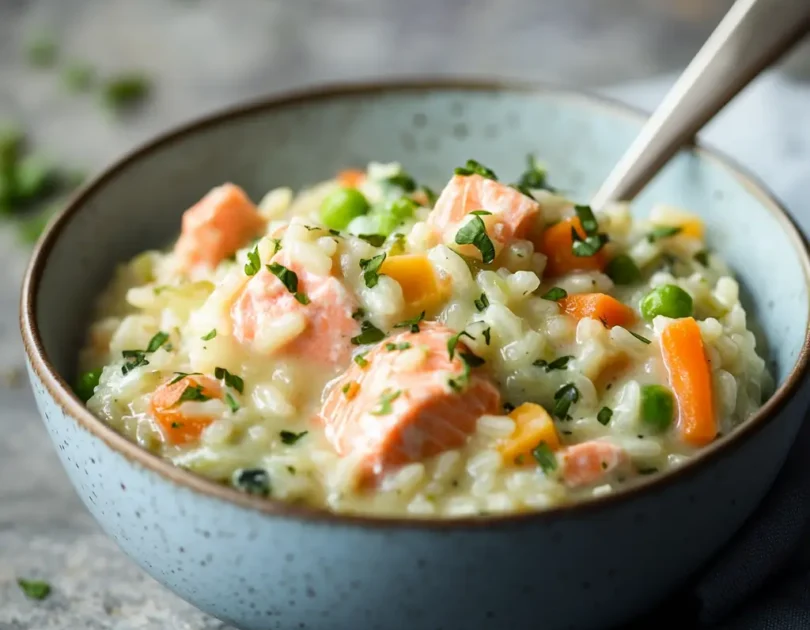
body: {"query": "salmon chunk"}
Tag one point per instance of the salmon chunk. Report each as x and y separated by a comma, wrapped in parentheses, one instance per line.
(165, 407)
(586, 463)
(405, 400)
(315, 322)
(512, 216)
(216, 226)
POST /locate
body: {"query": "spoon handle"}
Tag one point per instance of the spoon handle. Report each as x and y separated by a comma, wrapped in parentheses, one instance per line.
(752, 36)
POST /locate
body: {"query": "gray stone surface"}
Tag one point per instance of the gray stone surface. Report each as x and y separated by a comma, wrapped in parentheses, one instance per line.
(204, 54)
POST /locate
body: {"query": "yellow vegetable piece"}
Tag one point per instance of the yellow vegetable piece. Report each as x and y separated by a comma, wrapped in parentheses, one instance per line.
(533, 425)
(422, 289)
(691, 225)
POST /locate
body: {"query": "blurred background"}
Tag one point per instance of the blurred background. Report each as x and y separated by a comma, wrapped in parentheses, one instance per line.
(82, 81)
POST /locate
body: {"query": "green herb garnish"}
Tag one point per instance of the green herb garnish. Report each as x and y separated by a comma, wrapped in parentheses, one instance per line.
(179, 376)
(486, 333)
(231, 380)
(559, 363)
(360, 313)
(664, 231)
(252, 481)
(385, 403)
(34, 589)
(475, 168)
(640, 338)
(587, 246)
(702, 257)
(544, 456)
(402, 180)
(554, 294)
(290, 437)
(391, 347)
(253, 264)
(373, 239)
(563, 399)
(474, 233)
(482, 302)
(371, 269)
(360, 359)
(412, 323)
(210, 335)
(288, 277)
(534, 177)
(158, 340)
(193, 393)
(369, 333)
(276, 245)
(453, 342)
(231, 401)
(604, 415)
(125, 91)
(137, 358)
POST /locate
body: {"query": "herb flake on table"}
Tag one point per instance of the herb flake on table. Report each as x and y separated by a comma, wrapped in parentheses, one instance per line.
(34, 589)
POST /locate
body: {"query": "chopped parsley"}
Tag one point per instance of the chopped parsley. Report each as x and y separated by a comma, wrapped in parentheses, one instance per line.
(533, 177)
(252, 481)
(604, 415)
(566, 396)
(702, 257)
(125, 90)
(231, 402)
(34, 589)
(158, 340)
(360, 313)
(303, 299)
(453, 342)
(475, 168)
(474, 233)
(559, 363)
(373, 239)
(253, 264)
(231, 380)
(554, 294)
(487, 332)
(412, 323)
(371, 269)
(179, 376)
(640, 338)
(663, 231)
(544, 456)
(402, 180)
(360, 359)
(468, 361)
(289, 279)
(471, 359)
(385, 403)
(276, 245)
(482, 302)
(594, 240)
(290, 437)
(391, 347)
(193, 393)
(369, 333)
(209, 336)
(137, 358)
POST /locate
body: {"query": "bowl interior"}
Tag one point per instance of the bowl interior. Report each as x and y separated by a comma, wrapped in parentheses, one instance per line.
(138, 203)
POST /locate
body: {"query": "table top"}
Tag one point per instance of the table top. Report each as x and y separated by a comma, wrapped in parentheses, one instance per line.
(204, 54)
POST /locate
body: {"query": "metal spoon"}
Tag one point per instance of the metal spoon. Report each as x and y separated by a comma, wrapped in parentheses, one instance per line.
(751, 36)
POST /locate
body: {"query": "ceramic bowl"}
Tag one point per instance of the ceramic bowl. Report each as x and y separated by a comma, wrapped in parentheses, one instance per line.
(260, 564)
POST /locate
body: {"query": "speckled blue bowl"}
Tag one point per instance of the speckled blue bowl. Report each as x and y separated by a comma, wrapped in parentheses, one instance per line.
(260, 564)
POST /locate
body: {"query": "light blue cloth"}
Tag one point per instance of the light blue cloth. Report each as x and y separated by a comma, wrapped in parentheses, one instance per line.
(761, 580)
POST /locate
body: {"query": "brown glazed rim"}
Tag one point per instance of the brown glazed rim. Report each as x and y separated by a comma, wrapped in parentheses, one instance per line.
(62, 394)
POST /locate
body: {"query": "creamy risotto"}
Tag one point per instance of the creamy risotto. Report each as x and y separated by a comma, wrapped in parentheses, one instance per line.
(368, 346)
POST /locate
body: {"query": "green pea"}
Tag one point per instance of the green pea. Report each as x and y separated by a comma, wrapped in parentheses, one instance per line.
(341, 206)
(657, 407)
(667, 300)
(87, 383)
(394, 214)
(623, 270)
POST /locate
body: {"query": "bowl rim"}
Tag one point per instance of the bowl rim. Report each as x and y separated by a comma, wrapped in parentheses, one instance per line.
(62, 394)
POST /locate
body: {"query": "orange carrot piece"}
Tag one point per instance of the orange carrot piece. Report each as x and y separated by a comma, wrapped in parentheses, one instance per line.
(533, 425)
(556, 243)
(690, 378)
(351, 178)
(164, 408)
(599, 306)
